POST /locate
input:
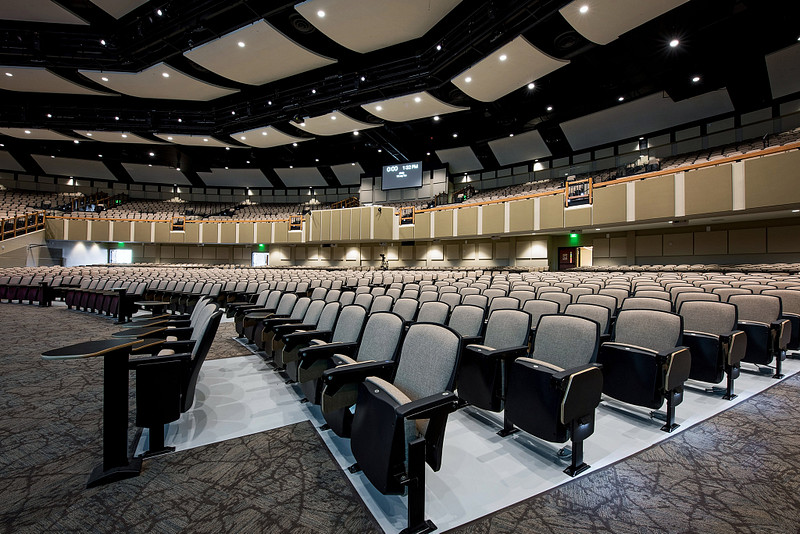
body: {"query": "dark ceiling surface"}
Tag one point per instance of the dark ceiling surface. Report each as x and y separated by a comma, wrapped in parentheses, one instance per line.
(722, 41)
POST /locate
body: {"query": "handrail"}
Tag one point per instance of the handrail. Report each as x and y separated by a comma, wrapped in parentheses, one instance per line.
(17, 229)
(163, 220)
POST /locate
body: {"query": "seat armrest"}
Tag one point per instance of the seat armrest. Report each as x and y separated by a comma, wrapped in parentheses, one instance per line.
(428, 407)
(736, 346)
(297, 338)
(147, 346)
(287, 328)
(183, 358)
(338, 377)
(583, 388)
(183, 345)
(471, 340)
(613, 346)
(559, 376)
(505, 354)
(678, 365)
(274, 319)
(780, 327)
(181, 333)
(320, 352)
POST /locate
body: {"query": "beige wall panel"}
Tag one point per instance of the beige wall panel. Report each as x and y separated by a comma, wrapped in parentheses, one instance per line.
(223, 253)
(264, 233)
(648, 245)
(392, 252)
(747, 241)
(175, 237)
(122, 230)
(228, 234)
(78, 230)
(192, 233)
(436, 252)
(484, 251)
(162, 232)
(351, 253)
(366, 253)
(538, 249)
(300, 252)
(325, 253)
(578, 217)
(336, 225)
(339, 253)
(367, 215)
(182, 253)
(600, 248)
(443, 223)
(54, 228)
(167, 252)
(100, 231)
(281, 232)
(406, 253)
(708, 243)
(422, 225)
(406, 233)
(617, 247)
(772, 180)
(345, 232)
(323, 233)
(247, 233)
(655, 198)
(196, 253)
(552, 208)
(468, 251)
(421, 252)
(382, 224)
(521, 216)
(355, 224)
(709, 190)
(493, 219)
(316, 226)
(523, 249)
(209, 253)
(141, 232)
(468, 221)
(150, 251)
(210, 233)
(501, 251)
(783, 239)
(452, 252)
(609, 204)
(679, 244)
(242, 254)
(296, 237)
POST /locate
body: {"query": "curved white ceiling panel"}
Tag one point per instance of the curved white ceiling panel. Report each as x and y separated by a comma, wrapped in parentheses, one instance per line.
(347, 173)
(367, 26)
(117, 137)
(410, 107)
(333, 123)
(267, 137)
(158, 81)
(256, 54)
(34, 133)
(38, 11)
(82, 168)
(39, 80)
(192, 140)
(118, 8)
(512, 66)
(522, 147)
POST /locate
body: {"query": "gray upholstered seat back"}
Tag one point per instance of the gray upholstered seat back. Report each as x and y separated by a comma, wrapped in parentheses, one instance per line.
(428, 360)
(563, 299)
(607, 301)
(364, 300)
(348, 326)
(599, 314)
(684, 297)
(272, 299)
(726, 293)
(566, 341)
(656, 330)
(313, 312)
(286, 304)
(347, 298)
(381, 336)
(790, 299)
(716, 318)
(382, 303)
(537, 308)
(646, 303)
(300, 307)
(466, 320)
(503, 303)
(507, 328)
(451, 299)
(652, 294)
(406, 308)
(202, 319)
(333, 295)
(318, 293)
(327, 319)
(476, 300)
(433, 312)
(763, 308)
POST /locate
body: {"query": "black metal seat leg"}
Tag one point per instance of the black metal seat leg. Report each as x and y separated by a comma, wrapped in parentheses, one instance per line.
(779, 364)
(670, 425)
(578, 465)
(156, 442)
(417, 524)
(729, 394)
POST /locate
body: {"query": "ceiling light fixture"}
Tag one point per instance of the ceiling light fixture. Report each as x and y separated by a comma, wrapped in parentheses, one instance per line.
(313, 91)
(243, 138)
(436, 117)
(511, 135)
(321, 14)
(455, 135)
(439, 47)
(363, 79)
(696, 79)
(291, 166)
(177, 169)
(584, 9)
(169, 138)
(294, 144)
(316, 159)
(303, 124)
(104, 79)
(355, 132)
(549, 108)
(417, 99)
(27, 131)
(620, 99)
(233, 113)
(269, 102)
(378, 108)
(428, 154)
(503, 57)
(263, 133)
(103, 42)
(673, 43)
(116, 118)
(89, 134)
(333, 117)
(124, 136)
(180, 120)
(165, 74)
(353, 164)
(49, 116)
(379, 150)
(76, 142)
(241, 44)
(9, 75)
(99, 155)
(531, 86)
(152, 154)
(227, 148)
(468, 79)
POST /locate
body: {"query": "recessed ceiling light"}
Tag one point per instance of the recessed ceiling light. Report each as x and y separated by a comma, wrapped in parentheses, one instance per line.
(104, 78)
(205, 140)
(52, 157)
(248, 162)
(159, 12)
(378, 108)
(27, 131)
(169, 138)
(436, 117)
(417, 99)
(503, 57)
(124, 136)
(313, 91)
(177, 169)
(321, 14)
(468, 79)
(76, 142)
(152, 154)
(165, 74)
(673, 43)
(103, 42)
(49, 116)
(620, 99)
(333, 117)
(795, 211)
(428, 154)
(511, 135)
(269, 102)
(455, 135)
(149, 164)
(89, 134)
(180, 120)
(263, 133)
(531, 85)
(99, 155)
(294, 144)
(439, 47)
(116, 118)
(233, 113)
(243, 138)
(584, 9)
(241, 44)
(696, 79)
(291, 166)
(379, 150)
(363, 79)
(549, 108)
(355, 132)
(9, 75)
(226, 168)
(353, 164)
(227, 148)
(641, 139)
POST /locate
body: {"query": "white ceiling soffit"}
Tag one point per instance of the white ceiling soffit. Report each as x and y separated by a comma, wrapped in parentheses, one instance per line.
(783, 67)
(118, 8)
(367, 26)
(301, 177)
(522, 147)
(235, 178)
(266, 137)
(152, 83)
(38, 11)
(460, 159)
(81, 168)
(333, 123)
(516, 64)
(410, 107)
(116, 137)
(8, 163)
(605, 20)
(347, 173)
(256, 54)
(192, 140)
(33, 133)
(155, 174)
(39, 80)
(638, 117)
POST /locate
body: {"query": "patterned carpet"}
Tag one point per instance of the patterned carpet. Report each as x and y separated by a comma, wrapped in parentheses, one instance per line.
(737, 472)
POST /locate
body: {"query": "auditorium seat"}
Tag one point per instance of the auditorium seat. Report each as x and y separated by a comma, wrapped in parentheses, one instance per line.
(646, 303)
(599, 314)
(298, 313)
(761, 318)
